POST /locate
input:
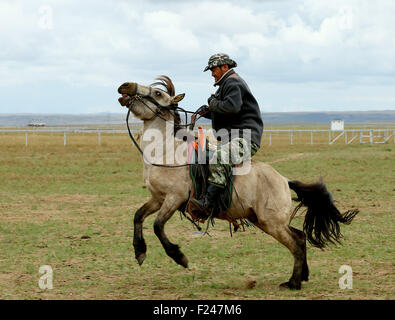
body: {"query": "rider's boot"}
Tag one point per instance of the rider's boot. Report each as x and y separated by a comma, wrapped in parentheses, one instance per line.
(206, 203)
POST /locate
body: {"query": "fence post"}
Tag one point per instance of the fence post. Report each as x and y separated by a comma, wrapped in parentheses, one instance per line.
(311, 137)
(292, 136)
(64, 138)
(270, 138)
(99, 137)
(371, 136)
(26, 139)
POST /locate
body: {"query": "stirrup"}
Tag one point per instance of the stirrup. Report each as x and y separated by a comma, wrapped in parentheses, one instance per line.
(199, 210)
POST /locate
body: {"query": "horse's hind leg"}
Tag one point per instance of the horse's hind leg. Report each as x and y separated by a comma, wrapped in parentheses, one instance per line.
(139, 245)
(302, 242)
(173, 251)
(293, 241)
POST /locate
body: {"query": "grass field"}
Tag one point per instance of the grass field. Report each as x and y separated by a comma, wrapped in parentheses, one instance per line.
(72, 208)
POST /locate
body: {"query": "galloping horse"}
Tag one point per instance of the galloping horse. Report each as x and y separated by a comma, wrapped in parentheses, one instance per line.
(263, 195)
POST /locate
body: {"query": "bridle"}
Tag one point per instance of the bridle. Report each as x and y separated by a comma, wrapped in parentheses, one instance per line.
(158, 114)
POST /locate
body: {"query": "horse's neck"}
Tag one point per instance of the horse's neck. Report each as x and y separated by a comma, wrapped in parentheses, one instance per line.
(159, 132)
(158, 135)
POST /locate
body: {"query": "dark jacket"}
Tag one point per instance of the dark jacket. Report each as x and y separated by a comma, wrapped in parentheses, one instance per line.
(234, 107)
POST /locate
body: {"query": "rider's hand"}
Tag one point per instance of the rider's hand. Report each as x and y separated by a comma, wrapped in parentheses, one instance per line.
(210, 98)
(203, 109)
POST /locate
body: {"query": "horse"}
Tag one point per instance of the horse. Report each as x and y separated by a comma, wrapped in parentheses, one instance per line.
(262, 196)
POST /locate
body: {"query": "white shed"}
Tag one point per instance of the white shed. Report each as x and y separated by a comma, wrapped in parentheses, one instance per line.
(337, 125)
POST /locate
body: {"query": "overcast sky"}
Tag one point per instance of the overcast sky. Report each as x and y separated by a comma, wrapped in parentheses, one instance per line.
(69, 56)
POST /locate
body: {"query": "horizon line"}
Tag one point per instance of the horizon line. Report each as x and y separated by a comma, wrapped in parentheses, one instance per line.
(119, 113)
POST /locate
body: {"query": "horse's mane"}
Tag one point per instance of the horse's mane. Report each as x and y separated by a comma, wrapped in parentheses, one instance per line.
(165, 82)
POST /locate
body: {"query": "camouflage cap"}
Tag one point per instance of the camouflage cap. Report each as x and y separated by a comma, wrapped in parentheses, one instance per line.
(220, 59)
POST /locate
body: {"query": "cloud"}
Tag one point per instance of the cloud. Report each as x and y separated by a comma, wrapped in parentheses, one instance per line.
(168, 32)
(281, 44)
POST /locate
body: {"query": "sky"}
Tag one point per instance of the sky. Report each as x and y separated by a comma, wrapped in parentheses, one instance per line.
(68, 56)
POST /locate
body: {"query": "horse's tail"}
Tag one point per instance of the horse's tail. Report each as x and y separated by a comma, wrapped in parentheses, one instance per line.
(321, 223)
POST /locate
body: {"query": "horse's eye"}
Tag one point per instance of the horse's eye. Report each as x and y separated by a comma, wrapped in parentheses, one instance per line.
(158, 94)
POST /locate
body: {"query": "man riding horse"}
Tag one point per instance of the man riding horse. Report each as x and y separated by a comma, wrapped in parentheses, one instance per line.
(232, 108)
(263, 195)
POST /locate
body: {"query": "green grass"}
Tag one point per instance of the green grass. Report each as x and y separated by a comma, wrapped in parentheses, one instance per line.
(72, 208)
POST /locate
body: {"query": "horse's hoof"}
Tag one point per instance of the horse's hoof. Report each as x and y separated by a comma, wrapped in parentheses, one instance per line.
(184, 262)
(141, 258)
(290, 285)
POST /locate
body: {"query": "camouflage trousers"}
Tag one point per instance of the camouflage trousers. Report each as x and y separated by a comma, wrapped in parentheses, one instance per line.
(229, 154)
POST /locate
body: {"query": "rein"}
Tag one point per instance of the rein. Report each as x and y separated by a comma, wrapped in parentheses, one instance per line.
(173, 106)
(176, 108)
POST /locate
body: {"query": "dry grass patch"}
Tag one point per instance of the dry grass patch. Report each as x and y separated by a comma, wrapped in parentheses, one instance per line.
(72, 208)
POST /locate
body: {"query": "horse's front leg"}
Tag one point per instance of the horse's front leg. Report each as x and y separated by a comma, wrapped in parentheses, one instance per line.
(139, 245)
(166, 211)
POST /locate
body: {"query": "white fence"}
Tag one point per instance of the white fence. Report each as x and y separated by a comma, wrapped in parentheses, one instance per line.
(291, 136)
(350, 135)
(64, 132)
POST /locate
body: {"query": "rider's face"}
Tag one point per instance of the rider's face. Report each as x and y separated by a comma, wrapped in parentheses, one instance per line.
(218, 72)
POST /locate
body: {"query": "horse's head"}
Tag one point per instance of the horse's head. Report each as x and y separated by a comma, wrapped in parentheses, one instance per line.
(147, 101)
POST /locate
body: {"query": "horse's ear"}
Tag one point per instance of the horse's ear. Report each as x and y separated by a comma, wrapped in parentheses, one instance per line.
(178, 98)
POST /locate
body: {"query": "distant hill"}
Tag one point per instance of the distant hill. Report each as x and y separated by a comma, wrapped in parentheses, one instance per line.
(22, 120)
(357, 116)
